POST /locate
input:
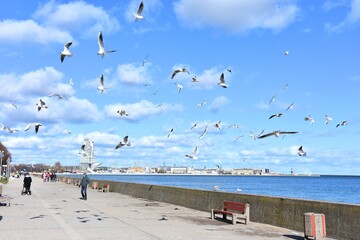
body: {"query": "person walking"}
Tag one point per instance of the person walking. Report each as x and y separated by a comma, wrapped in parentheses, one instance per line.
(27, 184)
(83, 184)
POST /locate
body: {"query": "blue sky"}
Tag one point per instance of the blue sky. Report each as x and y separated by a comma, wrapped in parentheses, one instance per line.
(321, 72)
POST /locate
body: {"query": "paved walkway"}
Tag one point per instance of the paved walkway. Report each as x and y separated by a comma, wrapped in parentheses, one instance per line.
(55, 211)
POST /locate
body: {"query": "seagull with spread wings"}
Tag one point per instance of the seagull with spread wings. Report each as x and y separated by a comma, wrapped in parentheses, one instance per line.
(222, 81)
(33, 125)
(193, 154)
(138, 15)
(176, 71)
(40, 105)
(124, 142)
(66, 52)
(101, 87)
(301, 152)
(102, 52)
(276, 133)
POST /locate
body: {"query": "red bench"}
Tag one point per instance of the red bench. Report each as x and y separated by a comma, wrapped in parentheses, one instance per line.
(235, 209)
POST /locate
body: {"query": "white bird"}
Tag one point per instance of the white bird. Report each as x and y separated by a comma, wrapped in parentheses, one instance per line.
(35, 125)
(233, 126)
(71, 83)
(327, 119)
(3, 127)
(122, 112)
(199, 105)
(138, 15)
(41, 104)
(67, 132)
(309, 119)
(179, 87)
(290, 106)
(229, 70)
(222, 81)
(285, 87)
(216, 187)
(276, 133)
(272, 99)
(276, 115)
(101, 87)
(59, 96)
(176, 71)
(254, 136)
(301, 152)
(343, 123)
(204, 132)
(102, 52)
(286, 53)
(170, 133)
(145, 60)
(124, 142)
(236, 139)
(193, 154)
(66, 52)
(194, 80)
(217, 125)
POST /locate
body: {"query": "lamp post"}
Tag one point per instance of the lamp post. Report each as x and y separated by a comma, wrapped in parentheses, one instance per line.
(1, 159)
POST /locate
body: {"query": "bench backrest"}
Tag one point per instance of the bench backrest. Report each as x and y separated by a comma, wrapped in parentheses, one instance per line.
(234, 206)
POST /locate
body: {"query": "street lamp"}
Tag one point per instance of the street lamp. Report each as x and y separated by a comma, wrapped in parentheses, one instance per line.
(1, 158)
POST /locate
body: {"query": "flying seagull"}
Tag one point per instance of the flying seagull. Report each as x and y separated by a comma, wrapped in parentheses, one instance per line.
(3, 127)
(35, 125)
(290, 106)
(194, 80)
(124, 142)
(236, 139)
(122, 112)
(41, 104)
(66, 52)
(276, 133)
(199, 105)
(327, 119)
(101, 87)
(195, 124)
(71, 83)
(254, 136)
(272, 99)
(176, 71)
(145, 59)
(102, 52)
(276, 115)
(222, 81)
(193, 154)
(229, 70)
(171, 132)
(286, 53)
(301, 152)
(179, 87)
(217, 125)
(138, 15)
(59, 96)
(204, 132)
(343, 123)
(309, 119)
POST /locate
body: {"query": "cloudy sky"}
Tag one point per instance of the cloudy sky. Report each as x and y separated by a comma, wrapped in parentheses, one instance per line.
(244, 39)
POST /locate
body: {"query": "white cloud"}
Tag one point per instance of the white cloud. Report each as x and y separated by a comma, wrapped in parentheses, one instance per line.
(208, 79)
(133, 74)
(13, 31)
(218, 103)
(78, 16)
(140, 110)
(236, 15)
(352, 18)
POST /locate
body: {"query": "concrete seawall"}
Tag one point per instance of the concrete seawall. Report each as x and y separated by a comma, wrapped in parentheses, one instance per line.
(342, 220)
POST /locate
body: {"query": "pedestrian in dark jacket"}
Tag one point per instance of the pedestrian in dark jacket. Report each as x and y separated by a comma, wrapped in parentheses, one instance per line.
(27, 184)
(83, 184)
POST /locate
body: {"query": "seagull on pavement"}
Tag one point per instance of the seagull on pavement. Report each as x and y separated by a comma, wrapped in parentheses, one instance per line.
(124, 142)
(301, 152)
(193, 154)
(222, 81)
(41, 104)
(176, 71)
(327, 119)
(276, 133)
(138, 15)
(35, 125)
(204, 132)
(66, 52)
(343, 123)
(102, 52)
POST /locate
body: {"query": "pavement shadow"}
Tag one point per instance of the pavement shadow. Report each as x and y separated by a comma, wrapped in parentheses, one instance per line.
(296, 237)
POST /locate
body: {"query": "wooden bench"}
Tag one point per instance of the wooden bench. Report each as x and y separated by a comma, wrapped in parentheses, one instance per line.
(236, 210)
(105, 188)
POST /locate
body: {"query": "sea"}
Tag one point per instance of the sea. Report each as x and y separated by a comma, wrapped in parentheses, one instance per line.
(340, 189)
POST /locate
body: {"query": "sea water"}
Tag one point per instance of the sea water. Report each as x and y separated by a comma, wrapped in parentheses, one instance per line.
(343, 189)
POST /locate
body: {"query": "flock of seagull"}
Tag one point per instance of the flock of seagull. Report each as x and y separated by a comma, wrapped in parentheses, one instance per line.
(66, 53)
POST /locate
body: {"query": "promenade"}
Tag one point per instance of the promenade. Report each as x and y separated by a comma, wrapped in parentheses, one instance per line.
(55, 211)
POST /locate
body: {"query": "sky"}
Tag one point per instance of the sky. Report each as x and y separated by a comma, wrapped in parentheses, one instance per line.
(304, 53)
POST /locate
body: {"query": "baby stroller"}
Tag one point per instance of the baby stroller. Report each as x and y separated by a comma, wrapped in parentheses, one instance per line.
(26, 190)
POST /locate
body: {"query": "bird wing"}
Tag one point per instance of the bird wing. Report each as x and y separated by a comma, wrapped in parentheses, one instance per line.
(126, 138)
(102, 80)
(194, 152)
(67, 45)
(42, 103)
(174, 73)
(100, 41)
(28, 126)
(37, 126)
(287, 132)
(62, 57)
(205, 131)
(266, 135)
(222, 78)
(141, 8)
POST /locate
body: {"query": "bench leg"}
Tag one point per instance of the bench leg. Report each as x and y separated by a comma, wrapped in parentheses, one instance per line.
(234, 219)
(212, 214)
